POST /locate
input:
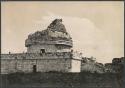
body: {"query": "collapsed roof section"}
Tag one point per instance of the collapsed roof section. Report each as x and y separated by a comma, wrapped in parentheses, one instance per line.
(55, 32)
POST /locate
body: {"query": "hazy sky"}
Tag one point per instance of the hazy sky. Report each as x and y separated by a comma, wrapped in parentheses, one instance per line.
(97, 28)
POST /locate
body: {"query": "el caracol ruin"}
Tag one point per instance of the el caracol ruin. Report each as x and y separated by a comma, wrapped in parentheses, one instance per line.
(49, 50)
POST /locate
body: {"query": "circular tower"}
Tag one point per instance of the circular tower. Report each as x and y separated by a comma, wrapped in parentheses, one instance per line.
(54, 39)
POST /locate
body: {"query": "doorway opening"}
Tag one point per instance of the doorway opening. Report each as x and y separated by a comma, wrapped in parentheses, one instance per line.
(34, 68)
(42, 50)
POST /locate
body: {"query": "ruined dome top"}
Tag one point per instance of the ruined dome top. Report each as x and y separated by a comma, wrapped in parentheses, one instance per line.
(57, 25)
(54, 32)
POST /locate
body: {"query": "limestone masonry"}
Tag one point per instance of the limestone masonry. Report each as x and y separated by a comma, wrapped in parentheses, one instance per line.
(47, 51)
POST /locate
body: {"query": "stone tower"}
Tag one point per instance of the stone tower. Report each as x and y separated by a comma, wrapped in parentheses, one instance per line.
(54, 39)
(47, 50)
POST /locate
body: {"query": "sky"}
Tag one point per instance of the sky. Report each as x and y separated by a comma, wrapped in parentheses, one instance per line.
(97, 28)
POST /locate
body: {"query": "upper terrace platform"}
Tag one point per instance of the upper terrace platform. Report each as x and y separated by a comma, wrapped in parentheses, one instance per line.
(57, 55)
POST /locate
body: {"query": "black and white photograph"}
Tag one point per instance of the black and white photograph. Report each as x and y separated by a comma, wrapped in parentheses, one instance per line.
(62, 44)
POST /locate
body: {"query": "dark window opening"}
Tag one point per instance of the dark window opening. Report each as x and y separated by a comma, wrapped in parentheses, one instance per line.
(15, 57)
(34, 68)
(42, 50)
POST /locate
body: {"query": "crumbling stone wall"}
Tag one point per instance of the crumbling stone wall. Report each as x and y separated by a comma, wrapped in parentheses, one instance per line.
(36, 48)
(92, 67)
(45, 63)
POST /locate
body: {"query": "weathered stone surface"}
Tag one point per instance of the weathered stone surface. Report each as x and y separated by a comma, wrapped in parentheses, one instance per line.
(47, 50)
(57, 25)
(55, 35)
(42, 65)
(90, 65)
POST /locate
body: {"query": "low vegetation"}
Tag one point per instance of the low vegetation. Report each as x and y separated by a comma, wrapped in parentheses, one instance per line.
(58, 79)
